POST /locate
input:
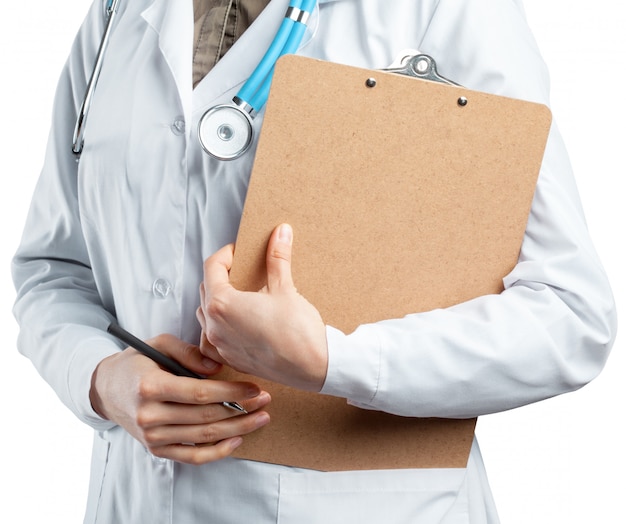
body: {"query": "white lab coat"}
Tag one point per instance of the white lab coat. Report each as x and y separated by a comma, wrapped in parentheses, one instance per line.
(123, 233)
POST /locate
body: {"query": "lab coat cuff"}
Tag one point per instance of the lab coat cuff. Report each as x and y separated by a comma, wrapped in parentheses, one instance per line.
(353, 364)
(81, 369)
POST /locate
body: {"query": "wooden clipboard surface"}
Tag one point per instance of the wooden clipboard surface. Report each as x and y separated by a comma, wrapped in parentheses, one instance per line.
(401, 201)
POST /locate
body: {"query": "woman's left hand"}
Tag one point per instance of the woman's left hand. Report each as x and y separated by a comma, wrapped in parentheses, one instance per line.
(274, 333)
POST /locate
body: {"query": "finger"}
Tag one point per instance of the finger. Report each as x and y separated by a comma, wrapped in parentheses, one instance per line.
(209, 350)
(205, 433)
(187, 354)
(278, 259)
(200, 318)
(181, 414)
(202, 293)
(198, 455)
(216, 269)
(183, 390)
(202, 308)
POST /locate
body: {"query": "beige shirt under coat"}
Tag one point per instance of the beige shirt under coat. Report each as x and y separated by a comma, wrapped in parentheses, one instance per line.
(217, 26)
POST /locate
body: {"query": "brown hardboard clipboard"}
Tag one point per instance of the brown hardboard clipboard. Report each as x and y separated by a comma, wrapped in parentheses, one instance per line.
(402, 200)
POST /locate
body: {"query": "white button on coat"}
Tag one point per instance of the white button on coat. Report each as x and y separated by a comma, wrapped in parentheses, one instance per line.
(161, 288)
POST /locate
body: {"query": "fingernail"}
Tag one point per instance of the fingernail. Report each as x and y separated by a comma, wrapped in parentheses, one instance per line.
(262, 419)
(264, 398)
(235, 443)
(285, 234)
(209, 364)
(253, 391)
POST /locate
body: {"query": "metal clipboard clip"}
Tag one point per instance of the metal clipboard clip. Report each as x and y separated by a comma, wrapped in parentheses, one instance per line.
(417, 66)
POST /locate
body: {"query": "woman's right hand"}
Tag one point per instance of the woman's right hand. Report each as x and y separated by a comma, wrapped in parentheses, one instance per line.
(177, 418)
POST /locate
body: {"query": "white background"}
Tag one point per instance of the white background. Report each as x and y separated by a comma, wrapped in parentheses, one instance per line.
(560, 461)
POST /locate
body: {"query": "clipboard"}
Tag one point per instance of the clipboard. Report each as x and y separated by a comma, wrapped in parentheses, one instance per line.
(405, 195)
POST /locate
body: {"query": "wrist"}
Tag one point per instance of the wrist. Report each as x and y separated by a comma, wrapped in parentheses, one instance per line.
(94, 395)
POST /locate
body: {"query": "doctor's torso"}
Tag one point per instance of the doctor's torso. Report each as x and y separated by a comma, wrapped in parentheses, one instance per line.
(153, 205)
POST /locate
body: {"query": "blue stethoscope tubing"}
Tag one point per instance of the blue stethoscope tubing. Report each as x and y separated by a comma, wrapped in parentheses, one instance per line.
(290, 33)
(225, 131)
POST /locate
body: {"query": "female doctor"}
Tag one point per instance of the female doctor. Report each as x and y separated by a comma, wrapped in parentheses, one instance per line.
(132, 228)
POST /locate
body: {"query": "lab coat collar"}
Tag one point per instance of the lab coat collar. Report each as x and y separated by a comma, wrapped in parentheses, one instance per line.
(171, 20)
(239, 62)
(243, 57)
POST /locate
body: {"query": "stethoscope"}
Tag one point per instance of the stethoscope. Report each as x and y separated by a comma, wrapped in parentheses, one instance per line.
(225, 131)
(79, 129)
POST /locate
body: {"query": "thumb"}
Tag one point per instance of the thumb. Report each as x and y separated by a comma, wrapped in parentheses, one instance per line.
(279, 259)
(186, 354)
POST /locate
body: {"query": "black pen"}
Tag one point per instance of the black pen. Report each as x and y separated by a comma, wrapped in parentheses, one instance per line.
(162, 360)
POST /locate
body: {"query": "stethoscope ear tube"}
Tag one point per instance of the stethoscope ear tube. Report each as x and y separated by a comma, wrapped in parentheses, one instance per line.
(81, 121)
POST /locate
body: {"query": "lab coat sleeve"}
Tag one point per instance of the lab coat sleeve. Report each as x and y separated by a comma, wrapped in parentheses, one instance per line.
(61, 316)
(551, 329)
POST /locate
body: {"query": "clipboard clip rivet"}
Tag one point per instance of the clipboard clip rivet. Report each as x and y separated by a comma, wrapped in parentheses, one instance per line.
(370, 82)
(462, 101)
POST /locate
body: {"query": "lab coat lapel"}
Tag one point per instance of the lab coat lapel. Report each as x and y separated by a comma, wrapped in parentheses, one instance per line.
(240, 61)
(172, 20)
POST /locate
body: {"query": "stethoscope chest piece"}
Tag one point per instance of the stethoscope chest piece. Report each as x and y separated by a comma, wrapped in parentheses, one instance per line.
(225, 132)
